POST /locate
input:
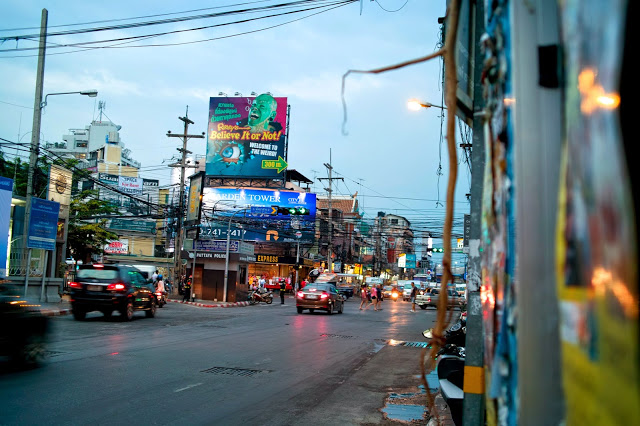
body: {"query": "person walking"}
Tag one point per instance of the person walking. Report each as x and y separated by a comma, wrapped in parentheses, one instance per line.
(283, 289)
(187, 290)
(363, 297)
(414, 292)
(374, 297)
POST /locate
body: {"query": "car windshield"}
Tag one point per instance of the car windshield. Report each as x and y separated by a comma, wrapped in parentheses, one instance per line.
(389, 288)
(97, 273)
(434, 291)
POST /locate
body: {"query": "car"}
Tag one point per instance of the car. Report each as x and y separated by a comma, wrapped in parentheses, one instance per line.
(319, 296)
(108, 288)
(25, 328)
(387, 290)
(430, 299)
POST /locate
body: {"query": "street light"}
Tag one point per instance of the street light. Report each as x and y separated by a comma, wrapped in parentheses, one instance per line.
(414, 105)
(226, 260)
(33, 159)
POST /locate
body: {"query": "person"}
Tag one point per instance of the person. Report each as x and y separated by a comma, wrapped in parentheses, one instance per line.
(154, 277)
(262, 282)
(380, 296)
(374, 297)
(160, 284)
(283, 289)
(414, 292)
(303, 283)
(168, 286)
(187, 290)
(363, 297)
(262, 114)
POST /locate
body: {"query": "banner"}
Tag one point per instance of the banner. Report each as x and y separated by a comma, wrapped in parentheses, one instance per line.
(246, 136)
(43, 224)
(117, 247)
(6, 187)
(130, 185)
(60, 185)
(195, 190)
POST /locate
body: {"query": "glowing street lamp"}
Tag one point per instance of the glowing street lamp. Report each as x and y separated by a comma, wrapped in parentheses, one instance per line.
(415, 105)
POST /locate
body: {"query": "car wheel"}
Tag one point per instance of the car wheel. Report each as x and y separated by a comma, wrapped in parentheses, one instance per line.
(423, 306)
(127, 312)
(299, 309)
(79, 315)
(330, 309)
(33, 351)
(151, 312)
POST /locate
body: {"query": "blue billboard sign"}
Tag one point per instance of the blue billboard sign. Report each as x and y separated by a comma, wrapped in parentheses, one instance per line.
(264, 214)
(43, 224)
(6, 190)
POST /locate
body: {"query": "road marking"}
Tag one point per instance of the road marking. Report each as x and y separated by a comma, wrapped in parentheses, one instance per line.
(187, 387)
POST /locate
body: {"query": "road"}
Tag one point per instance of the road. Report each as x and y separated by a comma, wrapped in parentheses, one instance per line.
(255, 365)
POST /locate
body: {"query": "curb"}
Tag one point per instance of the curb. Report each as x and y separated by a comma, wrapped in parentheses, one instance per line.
(56, 312)
(212, 305)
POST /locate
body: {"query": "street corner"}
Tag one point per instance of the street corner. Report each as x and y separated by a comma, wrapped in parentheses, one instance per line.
(211, 304)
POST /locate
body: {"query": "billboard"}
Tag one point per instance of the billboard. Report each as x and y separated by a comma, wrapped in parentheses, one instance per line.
(43, 224)
(6, 191)
(141, 190)
(60, 185)
(246, 136)
(258, 215)
(193, 209)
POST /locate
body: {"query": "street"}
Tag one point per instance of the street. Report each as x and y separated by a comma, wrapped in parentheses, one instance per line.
(262, 364)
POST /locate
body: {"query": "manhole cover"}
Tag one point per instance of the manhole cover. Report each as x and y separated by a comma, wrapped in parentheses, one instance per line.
(336, 336)
(233, 371)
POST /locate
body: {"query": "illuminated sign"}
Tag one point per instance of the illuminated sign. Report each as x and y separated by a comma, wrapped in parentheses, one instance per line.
(253, 208)
(246, 136)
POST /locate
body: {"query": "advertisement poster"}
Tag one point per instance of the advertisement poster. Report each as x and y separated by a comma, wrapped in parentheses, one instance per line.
(246, 136)
(6, 188)
(43, 224)
(117, 247)
(195, 188)
(597, 254)
(60, 185)
(263, 214)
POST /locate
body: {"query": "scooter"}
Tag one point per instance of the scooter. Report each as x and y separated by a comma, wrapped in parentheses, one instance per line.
(161, 297)
(257, 296)
(394, 295)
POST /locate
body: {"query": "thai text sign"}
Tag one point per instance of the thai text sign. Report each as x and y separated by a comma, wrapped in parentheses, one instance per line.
(148, 226)
(246, 136)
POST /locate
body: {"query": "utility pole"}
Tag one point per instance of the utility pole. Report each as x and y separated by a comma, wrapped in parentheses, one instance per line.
(330, 190)
(35, 144)
(177, 246)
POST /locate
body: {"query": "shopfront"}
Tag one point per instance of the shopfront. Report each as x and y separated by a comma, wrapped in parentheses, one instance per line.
(273, 268)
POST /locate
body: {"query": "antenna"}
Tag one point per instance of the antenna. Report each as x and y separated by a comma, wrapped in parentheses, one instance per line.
(102, 105)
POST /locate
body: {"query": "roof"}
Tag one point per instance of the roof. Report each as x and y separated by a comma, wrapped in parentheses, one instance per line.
(296, 176)
(345, 203)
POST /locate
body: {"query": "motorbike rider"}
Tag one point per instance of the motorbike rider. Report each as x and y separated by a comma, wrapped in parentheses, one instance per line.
(160, 284)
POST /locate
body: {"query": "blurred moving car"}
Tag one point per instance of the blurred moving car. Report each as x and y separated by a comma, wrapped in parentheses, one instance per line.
(108, 288)
(386, 291)
(323, 296)
(24, 328)
(430, 299)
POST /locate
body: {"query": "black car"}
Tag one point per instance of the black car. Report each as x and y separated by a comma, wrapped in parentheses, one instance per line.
(108, 288)
(24, 328)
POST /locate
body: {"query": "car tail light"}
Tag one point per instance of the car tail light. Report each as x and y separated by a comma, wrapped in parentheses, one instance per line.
(300, 294)
(75, 285)
(324, 295)
(428, 299)
(98, 266)
(116, 286)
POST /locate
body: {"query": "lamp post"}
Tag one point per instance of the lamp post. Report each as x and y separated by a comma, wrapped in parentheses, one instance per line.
(226, 258)
(33, 159)
(414, 105)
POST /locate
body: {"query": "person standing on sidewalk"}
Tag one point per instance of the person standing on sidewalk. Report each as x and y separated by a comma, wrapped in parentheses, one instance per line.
(414, 292)
(283, 289)
(187, 290)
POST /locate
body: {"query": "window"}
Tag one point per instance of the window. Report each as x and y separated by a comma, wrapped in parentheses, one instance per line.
(394, 221)
(81, 144)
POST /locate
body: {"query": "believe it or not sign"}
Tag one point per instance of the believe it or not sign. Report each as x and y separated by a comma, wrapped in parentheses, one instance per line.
(43, 224)
(117, 247)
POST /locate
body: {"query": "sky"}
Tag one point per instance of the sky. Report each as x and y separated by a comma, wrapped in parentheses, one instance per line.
(387, 153)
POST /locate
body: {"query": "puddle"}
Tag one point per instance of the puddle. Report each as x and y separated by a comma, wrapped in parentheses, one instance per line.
(405, 412)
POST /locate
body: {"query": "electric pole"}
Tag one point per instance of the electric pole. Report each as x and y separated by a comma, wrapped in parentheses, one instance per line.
(177, 246)
(330, 190)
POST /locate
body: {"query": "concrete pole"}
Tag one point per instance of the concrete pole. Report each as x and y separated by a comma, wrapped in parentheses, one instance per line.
(35, 139)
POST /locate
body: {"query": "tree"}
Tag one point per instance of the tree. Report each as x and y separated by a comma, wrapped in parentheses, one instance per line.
(87, 232)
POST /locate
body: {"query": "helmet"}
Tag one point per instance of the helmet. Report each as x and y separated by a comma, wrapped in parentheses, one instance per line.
(160, 276)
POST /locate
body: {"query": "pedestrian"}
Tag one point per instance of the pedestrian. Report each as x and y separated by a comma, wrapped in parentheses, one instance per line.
(262, 282)
(283, 289)
(187, 290)
(414, 292)
(154, 277)
(363, 297)
(374, 297)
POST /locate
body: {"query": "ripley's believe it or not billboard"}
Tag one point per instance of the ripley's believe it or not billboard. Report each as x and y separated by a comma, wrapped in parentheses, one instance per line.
(246, 136)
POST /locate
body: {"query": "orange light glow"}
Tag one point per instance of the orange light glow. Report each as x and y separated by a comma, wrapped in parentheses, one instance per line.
(603, 280)
(593, 95)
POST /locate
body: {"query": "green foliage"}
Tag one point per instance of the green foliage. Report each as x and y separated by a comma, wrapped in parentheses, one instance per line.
(88, 233)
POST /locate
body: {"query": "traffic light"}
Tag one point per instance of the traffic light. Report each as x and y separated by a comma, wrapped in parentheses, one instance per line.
(438, 250)
(289, 211)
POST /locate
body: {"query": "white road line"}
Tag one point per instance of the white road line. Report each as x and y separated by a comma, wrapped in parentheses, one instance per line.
(187, 387)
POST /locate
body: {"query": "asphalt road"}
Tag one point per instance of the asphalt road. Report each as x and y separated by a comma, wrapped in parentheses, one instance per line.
(255, 365)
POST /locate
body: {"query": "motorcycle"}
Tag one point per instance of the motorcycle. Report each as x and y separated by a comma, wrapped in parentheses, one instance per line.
(450, 366)
(161, 297)
(258, 296)
(394, 295)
